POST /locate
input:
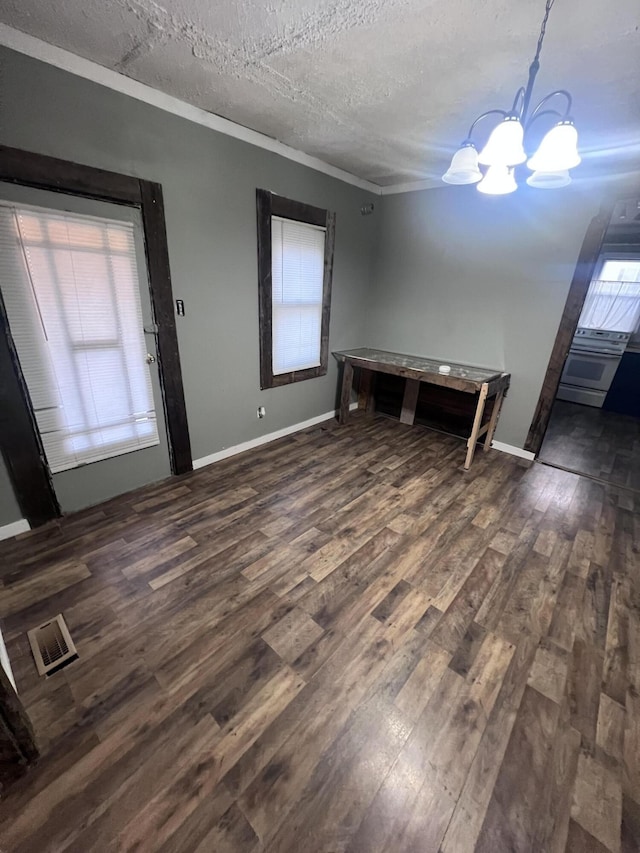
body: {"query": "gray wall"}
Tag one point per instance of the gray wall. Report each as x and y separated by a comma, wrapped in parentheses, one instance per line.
(444, 272)
(483, 280)
(209, 182)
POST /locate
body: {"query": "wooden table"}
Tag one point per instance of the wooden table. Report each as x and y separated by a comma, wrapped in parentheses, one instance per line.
(485, 383)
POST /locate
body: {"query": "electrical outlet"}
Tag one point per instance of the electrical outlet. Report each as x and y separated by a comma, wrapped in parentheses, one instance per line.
(261, 411)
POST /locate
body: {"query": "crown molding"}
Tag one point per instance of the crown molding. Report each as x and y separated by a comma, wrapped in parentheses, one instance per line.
(411, 187)
(63, 59)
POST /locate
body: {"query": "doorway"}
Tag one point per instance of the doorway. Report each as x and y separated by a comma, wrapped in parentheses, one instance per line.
(76, 293)
(133, 206)
(593, 422)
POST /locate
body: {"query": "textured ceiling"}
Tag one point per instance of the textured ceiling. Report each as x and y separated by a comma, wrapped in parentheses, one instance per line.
(384, 89)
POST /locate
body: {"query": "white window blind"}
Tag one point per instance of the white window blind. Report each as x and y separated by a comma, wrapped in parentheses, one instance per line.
(71, 290)
(613, 301)
(297, 278)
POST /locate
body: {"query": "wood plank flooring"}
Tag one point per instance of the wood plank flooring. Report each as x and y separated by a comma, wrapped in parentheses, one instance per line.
(594, 442)
(337, 643)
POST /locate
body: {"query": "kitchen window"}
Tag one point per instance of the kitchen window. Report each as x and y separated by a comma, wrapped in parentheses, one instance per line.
(295, 264)
(71, 290)
(613, 300)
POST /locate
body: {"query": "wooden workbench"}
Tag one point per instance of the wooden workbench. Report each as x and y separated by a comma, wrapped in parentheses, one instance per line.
(484, 383)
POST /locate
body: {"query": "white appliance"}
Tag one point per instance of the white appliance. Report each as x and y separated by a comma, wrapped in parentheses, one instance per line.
(592, 362)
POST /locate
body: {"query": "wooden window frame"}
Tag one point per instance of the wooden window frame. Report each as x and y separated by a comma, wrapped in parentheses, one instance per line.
(19, 438)
(268, 205)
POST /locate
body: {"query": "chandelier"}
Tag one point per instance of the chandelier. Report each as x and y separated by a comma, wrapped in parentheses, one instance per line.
(505, 148)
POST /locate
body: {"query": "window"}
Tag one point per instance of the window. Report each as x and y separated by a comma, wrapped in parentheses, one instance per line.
(613, 300)
(71, 290)
(295, 263)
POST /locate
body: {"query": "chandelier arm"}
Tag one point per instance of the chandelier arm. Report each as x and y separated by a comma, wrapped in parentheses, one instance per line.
(536, 116)
(503, 113)
(519, 94)
(548, 97)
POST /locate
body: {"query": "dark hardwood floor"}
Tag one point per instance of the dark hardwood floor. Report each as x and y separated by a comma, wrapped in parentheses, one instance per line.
(594, 442)
(338, 642)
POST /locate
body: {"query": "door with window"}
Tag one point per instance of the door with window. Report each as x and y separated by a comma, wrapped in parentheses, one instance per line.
(74, 283)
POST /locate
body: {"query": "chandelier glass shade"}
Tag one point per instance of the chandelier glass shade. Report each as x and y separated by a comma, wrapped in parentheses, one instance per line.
(464, 166)
(558, 150)
(499, 180)
(506, 146)
(549, 180)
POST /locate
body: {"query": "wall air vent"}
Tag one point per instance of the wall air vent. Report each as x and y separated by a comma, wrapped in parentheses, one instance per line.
(52, 646)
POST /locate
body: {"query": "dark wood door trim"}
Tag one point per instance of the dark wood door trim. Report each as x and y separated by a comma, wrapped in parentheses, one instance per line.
(17, 740)
(157, 252)
(587, 260)
(19, 439)
(49, 173)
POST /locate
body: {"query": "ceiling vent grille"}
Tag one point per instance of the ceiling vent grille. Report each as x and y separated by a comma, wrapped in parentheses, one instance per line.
(52, 646)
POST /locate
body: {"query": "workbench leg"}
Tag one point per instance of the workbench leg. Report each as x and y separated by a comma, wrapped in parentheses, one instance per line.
(345, 395)
(495, 414)
(477, 422)
(409, 401)
(371, 401)
(366, 399)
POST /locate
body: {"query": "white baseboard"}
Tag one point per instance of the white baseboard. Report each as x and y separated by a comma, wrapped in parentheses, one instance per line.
(9, 530)
(263, 439)
(513, 450)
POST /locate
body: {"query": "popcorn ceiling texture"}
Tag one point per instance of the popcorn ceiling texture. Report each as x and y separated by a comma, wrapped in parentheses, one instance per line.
(382, 88)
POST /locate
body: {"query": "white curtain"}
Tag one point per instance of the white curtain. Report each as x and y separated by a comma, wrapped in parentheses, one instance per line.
(612, 306)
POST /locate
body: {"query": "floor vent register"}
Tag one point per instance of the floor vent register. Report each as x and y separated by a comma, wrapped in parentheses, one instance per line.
(52, 646)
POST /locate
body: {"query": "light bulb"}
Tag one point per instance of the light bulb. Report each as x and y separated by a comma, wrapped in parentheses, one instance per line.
(558, 150)
(499, 180)
(504, 146)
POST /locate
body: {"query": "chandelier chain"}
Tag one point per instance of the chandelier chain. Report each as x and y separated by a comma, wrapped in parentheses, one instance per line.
(543, 29)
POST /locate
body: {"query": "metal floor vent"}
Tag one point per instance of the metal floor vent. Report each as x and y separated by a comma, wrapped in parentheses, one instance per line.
(52, 645)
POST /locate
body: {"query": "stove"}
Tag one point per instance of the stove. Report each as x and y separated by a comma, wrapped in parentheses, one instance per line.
(591, 365)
